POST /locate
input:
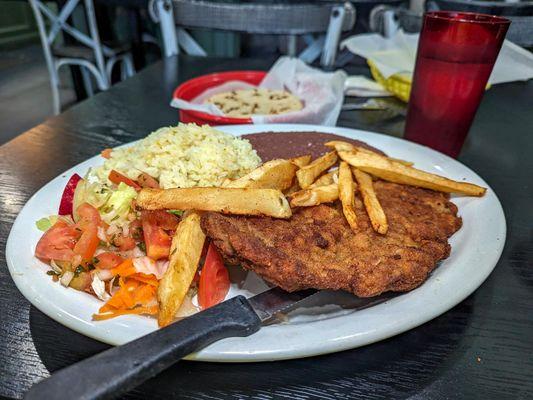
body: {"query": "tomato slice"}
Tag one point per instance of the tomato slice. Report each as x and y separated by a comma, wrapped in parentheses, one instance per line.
(88, 224)
(157, 241)
(106, 153)
(214, 280)
(147, 181)
(161, 218)
(58, 242)
(88, 213)
(67, 199)
(108, 260)
(124, 243)
(116, 177)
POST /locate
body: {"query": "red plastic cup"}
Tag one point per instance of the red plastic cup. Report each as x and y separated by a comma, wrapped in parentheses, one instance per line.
(456, 54)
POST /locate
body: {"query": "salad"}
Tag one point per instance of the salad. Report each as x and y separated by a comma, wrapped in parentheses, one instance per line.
(100, 244)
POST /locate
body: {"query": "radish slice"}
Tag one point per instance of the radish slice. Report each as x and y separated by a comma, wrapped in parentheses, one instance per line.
(65, 207)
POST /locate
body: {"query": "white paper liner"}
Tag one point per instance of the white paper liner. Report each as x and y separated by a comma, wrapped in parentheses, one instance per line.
(322, 93)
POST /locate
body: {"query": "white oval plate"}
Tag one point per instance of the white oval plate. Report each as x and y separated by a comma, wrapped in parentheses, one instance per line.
(476, 248)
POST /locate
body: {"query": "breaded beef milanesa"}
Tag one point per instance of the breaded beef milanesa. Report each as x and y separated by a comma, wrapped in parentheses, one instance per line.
(317, 249)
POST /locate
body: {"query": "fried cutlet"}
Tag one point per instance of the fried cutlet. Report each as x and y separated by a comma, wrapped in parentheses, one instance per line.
(317, 249)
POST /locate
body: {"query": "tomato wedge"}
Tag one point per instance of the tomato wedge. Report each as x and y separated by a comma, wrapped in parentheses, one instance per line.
(88, 214)
(116, 177)
(147, 181)
(88, 224)
(161, 218)
(65, 206)
(106, 153)
(58, 242)
(214, 280)
(124, 243)
(108, 260)
(157, 241)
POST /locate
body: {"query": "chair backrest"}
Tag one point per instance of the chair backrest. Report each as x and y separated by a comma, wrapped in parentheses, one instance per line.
(261, 18)
(58, 23)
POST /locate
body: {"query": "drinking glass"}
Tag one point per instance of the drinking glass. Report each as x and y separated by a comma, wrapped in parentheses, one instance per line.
(456, 53)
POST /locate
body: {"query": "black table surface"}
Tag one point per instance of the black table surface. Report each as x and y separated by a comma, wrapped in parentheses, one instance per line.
(482, 348)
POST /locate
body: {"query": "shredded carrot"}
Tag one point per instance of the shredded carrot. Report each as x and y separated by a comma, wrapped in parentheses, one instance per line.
(124, 269)
(152, 310)
(148, 279)
(136, 294)
(144, 295)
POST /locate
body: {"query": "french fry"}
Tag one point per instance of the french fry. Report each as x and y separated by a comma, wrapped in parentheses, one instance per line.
(375, 212)
(301, 161)
(347, 194)
(275, 174)
(308, 174)
(339, 145)
(393, 171)
(185, 253)
(315, 196)
(270, 202)
(326, 179)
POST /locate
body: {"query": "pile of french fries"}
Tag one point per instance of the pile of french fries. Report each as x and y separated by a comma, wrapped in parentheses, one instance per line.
(272, 190)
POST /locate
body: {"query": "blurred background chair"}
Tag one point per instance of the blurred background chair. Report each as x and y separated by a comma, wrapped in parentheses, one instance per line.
(387, 19)
(320, 24)
(94, 58)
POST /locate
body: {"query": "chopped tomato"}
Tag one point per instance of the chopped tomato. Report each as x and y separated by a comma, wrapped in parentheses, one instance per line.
(161, 218)
(58, 242)
(135, 229)
(88, 224)
(147, 181)
(124, 243)
(214, 280)
(157, 241)
(107, 260)
(116, 177)
(86, 246)
(88, 213)
(106, 153)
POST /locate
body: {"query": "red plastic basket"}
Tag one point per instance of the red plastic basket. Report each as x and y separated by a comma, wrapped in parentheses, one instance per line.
(192, 88)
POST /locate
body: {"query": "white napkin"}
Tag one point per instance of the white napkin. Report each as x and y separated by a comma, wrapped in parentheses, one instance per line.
(321, 92)
(398, 54)
(361, 86)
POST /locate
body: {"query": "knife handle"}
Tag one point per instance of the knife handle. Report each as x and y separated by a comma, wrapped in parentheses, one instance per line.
(119, 369)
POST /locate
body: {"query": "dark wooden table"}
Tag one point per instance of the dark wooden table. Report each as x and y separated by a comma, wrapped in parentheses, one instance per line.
(482, 348)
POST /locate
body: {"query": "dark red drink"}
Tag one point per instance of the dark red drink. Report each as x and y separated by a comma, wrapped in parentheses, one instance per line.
(456, 53)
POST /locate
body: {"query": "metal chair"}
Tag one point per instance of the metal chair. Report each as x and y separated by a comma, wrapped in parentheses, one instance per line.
(91, 55)
(327, 20)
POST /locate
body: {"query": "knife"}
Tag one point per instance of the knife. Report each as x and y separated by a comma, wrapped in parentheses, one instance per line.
(120, 369)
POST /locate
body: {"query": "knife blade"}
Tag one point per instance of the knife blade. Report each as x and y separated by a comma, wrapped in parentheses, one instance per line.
(119, 369)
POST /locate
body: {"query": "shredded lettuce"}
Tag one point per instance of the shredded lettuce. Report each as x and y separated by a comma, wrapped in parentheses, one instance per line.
(113, 204)
(118, 205)
(46, 223)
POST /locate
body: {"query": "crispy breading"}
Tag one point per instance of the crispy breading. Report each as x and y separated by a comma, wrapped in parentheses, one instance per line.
(317, 249)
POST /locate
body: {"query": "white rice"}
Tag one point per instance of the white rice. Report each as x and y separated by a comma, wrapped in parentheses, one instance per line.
(186, 155)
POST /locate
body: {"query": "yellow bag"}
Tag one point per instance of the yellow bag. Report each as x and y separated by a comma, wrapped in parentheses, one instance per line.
(398, 84)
